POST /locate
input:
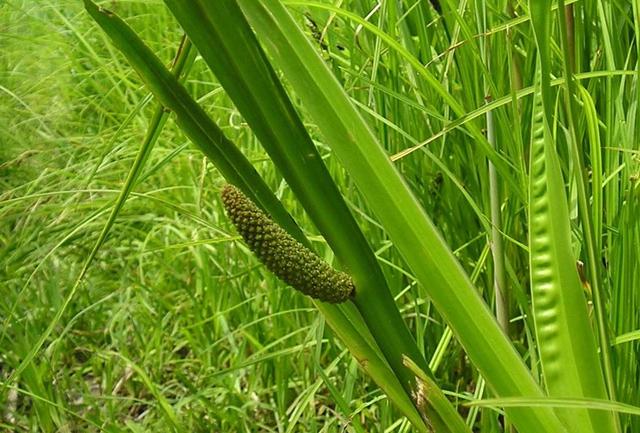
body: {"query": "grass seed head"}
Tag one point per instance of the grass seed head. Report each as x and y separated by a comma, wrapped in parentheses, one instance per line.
(287, 258)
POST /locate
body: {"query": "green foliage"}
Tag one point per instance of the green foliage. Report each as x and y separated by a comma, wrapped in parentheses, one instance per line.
(175, 326)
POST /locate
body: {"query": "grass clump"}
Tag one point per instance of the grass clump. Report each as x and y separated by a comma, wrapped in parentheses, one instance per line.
(175, 328)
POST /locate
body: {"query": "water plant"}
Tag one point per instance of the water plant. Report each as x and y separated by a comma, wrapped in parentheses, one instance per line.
(456, 159)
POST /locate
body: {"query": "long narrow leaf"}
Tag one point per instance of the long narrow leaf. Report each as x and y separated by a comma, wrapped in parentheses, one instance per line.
(230, 48)
(405, 221)
(236, 168)
(590, 210)
(156, 124)
(564, 334)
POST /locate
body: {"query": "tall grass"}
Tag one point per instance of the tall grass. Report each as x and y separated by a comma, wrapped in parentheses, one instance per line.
(175, 326)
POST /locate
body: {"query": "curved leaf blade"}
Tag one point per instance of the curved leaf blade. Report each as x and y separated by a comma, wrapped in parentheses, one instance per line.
(236, 168)
(564, 334)
(405, 221)
(221, 33)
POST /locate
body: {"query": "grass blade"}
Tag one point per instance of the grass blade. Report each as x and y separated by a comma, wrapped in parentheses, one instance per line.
(236, 168)
(564, 334)
(590, 210)
(405, 221)
(156, 125)
(220, 32)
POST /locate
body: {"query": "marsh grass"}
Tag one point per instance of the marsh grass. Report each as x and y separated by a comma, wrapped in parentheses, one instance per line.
(176, 326)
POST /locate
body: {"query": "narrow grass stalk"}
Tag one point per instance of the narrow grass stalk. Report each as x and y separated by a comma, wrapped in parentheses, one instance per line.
(497, 250)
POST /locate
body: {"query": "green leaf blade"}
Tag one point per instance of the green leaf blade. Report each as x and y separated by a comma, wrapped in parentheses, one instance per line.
(564, 334)
(236, 168)
(221, 33)
(405, 221)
